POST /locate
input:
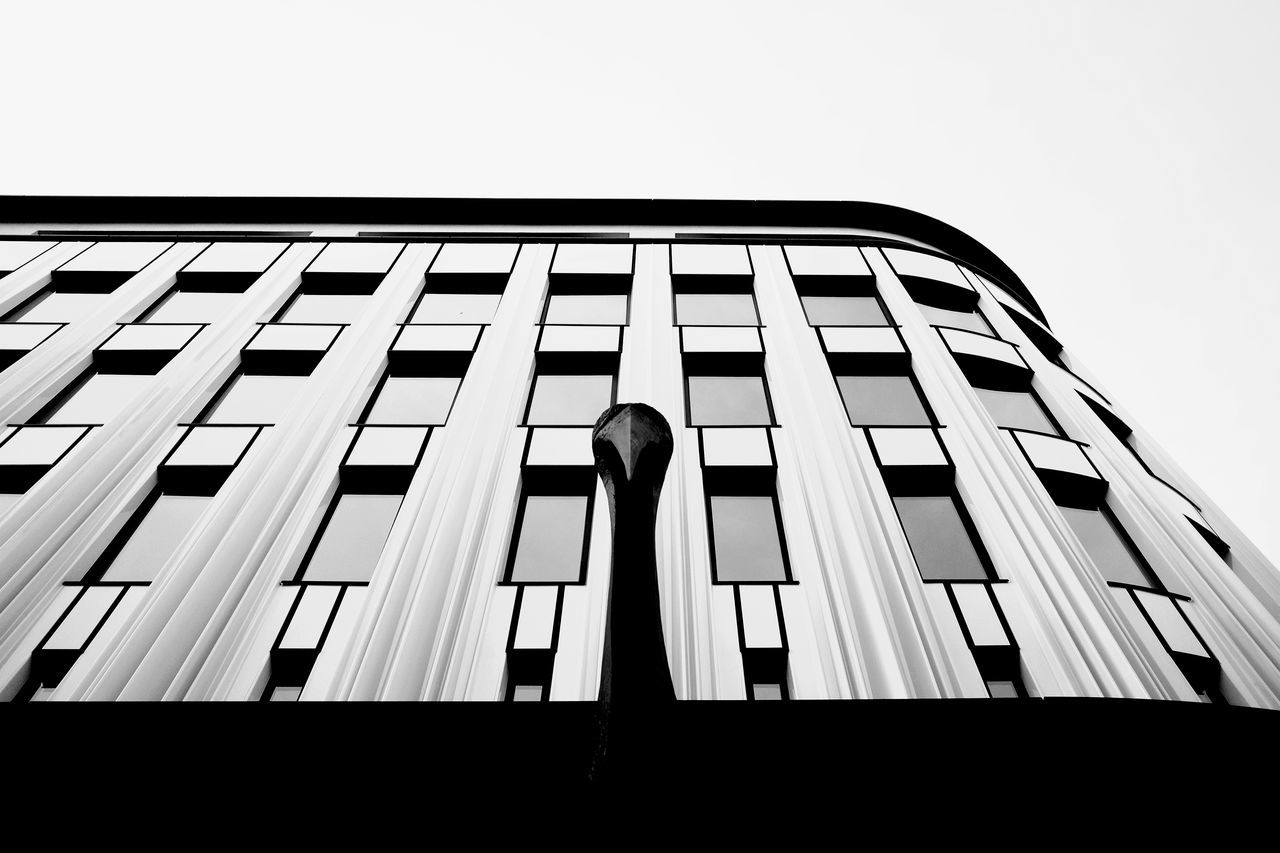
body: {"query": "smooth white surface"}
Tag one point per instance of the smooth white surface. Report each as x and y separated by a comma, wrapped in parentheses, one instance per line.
(970, 343)
(1056, 453)
(537, 617)
(57, 307)
(920, 265)
(356, 257)
(255, 399)
(325, 308)
(739, 446)
(827, 261)
(551, 446)
(979, 615)
(908, 446)
(759, 617)
(309, 618)
(437, 339)
(872, 340)
(155, 540)
(24, 336)
(387, 446)
(194, 307)
(475, 257)
(580, 339)
(1175, 630)
(15, 253)
(115, 257)
(145, 336)
(101, 398)
(212, 445)
(593, 258)
(352, 538)
(38, 445)
(709, 259)
(84, 617)
(236, 257)
(721, 339)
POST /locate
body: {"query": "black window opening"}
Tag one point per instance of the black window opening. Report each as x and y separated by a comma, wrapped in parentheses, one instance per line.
(1041, 339)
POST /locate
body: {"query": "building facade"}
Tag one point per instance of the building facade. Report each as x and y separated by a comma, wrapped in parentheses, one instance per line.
(341, 450)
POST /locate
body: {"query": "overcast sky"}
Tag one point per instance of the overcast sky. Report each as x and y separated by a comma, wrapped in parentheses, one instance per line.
(1120, 156)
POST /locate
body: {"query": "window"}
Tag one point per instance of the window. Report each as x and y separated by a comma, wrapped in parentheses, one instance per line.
(942, 538)
(972, 321)
(52, 306)
(351, 538)
(746, 539)
(581, 309)
(1017, 410)
(422, 400)
(251, 398)
(150, 539)
(95, 398)
(182, 306)
(883, 401)
(844, 311)
(716, 309)
(1109, 547)
(569, 399)
(739, 400)
(552, 529)
(465, 308)
(322, 308)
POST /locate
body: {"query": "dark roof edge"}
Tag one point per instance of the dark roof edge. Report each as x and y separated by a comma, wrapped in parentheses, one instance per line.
(477, 211)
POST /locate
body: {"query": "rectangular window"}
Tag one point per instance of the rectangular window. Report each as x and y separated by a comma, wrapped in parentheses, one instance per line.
(883, 401)
(457, 308)
(151, 538)
(1016, 410)
(746, 539)
(418, 400)
(351, 538)
(552, 530)
(716, 309)
(182, 306)
(252, 398)
(586, 309)
(972, 321)
(322, 308)
(569, 399)
(96, 398)
(844, 311)
(1108, 547)
(740, 400)
(51, 306)
(942, 538)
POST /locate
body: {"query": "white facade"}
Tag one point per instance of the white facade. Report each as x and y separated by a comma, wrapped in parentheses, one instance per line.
(427, 614)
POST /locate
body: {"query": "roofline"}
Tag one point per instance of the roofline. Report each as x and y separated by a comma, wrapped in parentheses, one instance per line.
(477, 211)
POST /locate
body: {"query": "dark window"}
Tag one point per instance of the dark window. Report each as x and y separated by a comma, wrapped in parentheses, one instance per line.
(586, 309)
(151, 537)
(1016, 410)
(549, 544)
(1109, 547)
(883, 400)
(941, 537)
(746, 538)
(569, 399)
(351, 538)
(844, 311)
(728, 401)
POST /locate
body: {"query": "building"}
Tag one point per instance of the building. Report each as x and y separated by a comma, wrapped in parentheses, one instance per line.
(340, 449)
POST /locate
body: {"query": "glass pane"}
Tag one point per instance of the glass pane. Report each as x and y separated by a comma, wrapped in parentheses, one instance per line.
(527, 693)
(766, 692)
(181, 307)
(728, 400)
(843, 311)
(1109, 552)
(970, 320)
(324, 308)
(156, 539)
(573, 309)
(414, 400)
(285, 693)
(1015, 409)
(744, 531)
(569, 400)
(456, 308)
(257, 400)
(101, 398)
(938, 539)
(716, 309)
(882, 400)
(1002, 690)
(549, 544)
(353, 538)
(62, 307)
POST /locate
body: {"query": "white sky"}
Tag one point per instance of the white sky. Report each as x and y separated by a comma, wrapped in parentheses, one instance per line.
(1116, 154)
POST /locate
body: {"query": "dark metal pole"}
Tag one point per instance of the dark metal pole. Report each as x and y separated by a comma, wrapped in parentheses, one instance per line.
(632, 446)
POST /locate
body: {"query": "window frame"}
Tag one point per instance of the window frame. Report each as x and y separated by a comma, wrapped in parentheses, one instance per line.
(751, 483)
(551, 481)
(966, 521)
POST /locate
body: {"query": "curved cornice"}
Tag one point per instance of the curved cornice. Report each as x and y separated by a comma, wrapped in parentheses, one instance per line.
(475, 211)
